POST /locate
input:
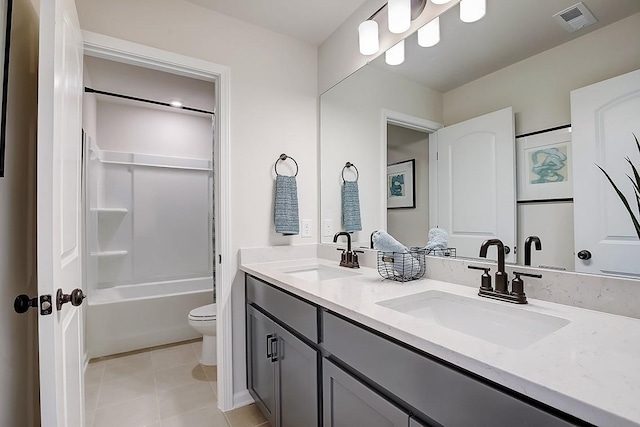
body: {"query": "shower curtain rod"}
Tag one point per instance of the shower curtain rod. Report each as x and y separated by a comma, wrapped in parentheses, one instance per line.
(149, 101)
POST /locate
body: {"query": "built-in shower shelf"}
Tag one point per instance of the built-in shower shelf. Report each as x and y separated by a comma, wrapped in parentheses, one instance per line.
(121, 211)
(109, 254)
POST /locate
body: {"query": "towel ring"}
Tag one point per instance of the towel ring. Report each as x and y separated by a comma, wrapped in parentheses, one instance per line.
(350, 165)
(284, 157)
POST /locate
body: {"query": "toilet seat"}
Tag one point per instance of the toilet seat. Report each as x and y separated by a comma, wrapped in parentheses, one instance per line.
(206, 313)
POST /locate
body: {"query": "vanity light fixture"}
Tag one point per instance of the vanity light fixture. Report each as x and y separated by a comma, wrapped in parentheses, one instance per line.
(176, 103)
(429, 35)
(395, 54)
(399, 15)
(472, 10)
(368, 36)
(440, 1)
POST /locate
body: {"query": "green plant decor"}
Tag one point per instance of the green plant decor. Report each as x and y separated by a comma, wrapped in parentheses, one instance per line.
(635, 181)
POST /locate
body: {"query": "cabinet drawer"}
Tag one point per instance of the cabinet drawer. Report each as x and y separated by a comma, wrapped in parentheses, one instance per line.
(293, 312)
(441, 393)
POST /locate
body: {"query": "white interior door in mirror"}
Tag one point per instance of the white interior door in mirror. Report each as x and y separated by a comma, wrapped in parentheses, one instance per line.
(476, 183)
(604, 118)
(60, 334)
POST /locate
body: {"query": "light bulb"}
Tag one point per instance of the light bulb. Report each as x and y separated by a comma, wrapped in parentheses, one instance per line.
(429, 35)
(472, 10)
(368, 35)
(440, 1)
(399, 15)
(395, 54)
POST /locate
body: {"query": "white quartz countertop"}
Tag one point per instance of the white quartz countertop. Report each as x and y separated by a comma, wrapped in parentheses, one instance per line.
(589, 368)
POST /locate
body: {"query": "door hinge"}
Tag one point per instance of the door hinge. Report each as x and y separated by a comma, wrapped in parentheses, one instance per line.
(219, 259)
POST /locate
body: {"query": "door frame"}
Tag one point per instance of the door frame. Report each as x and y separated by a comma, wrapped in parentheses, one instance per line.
(110, 48)
(390, 117)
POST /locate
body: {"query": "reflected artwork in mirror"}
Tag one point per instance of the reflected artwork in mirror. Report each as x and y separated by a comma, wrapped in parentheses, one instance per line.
(5, 37)
(533, 67)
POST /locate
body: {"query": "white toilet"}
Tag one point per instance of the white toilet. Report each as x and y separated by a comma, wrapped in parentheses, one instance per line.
(203, 320)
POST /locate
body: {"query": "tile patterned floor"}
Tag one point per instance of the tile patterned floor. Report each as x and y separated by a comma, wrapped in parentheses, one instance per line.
(159, 387)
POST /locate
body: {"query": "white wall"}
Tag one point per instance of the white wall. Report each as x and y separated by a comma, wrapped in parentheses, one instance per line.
(410, 226)
(538, 87)
(18, 333)
(351, 130)
(273, 110)
(139, 128)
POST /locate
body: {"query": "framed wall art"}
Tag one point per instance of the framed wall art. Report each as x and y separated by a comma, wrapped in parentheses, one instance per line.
(401, 190)
(544, 166)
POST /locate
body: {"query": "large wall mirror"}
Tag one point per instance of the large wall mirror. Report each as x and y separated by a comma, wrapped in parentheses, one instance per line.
(518, 63)
(5, 37)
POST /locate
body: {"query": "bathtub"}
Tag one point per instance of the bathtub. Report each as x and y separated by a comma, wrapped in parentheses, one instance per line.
(132, 317)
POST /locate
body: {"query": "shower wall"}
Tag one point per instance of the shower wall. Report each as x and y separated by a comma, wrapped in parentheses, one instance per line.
(148, 226)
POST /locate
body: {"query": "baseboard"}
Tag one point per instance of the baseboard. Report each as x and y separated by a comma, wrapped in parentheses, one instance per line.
(242, 398)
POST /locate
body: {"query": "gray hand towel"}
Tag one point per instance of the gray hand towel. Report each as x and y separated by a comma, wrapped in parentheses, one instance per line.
(286, 206)
(351, 207)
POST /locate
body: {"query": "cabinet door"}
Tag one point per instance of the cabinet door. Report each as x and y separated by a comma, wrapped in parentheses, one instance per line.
(261, 369)
(297, 382)
(348, 402)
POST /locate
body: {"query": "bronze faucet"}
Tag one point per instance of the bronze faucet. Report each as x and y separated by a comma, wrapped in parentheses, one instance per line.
(501, 276)
(501, 291)
(527, 248)
(349, 258)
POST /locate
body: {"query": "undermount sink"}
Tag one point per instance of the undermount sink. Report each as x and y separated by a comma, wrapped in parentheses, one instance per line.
(318, 273)
(495, 322)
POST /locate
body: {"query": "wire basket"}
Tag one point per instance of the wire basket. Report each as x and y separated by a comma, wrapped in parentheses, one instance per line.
(448, 252)
(400, 266)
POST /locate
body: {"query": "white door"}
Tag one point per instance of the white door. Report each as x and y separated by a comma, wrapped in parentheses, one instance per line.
(477, 184)
(58, 212)
(604, 117)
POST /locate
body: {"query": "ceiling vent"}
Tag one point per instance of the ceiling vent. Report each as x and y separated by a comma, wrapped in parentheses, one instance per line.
(575, 17)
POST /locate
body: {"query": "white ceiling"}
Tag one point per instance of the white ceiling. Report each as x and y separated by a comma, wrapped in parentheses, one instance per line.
(307, 20)
(511, 31)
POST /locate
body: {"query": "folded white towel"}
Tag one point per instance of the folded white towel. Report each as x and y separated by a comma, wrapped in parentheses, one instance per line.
(404, 264)
(438, 239)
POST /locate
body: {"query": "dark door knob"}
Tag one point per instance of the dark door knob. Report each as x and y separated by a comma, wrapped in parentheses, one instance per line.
(507, 250)
(75, 298)
(584, 255)
(22, 303)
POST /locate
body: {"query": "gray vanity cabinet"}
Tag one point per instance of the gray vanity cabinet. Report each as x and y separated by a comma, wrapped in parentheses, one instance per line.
(437, 391)
(347, 402)
(301, 357)
(282, 369)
